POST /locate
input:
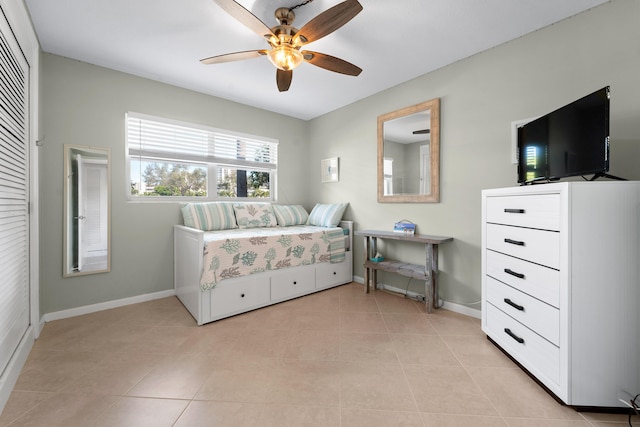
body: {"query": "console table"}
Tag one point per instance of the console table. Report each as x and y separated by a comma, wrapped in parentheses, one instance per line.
(427, 272)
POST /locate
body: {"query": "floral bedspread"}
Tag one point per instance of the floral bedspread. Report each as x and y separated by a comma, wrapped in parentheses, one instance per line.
(241, 252)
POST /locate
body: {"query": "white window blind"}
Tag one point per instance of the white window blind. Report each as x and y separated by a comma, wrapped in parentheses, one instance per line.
(14, 185)
(155, 138)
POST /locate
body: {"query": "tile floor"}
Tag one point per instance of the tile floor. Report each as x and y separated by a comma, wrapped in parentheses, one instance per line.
(335, 358)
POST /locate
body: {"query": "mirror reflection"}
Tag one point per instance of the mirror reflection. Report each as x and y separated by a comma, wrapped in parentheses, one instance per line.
(408, 154)
(86, 210)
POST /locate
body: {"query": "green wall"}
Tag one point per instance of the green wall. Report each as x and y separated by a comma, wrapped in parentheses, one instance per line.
(85, 105)
(480, 97)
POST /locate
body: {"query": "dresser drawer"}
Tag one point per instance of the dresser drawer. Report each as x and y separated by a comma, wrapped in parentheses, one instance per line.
(534, 211)
(292, 282)
(241, 294)
(539, 246)
(534, 352)
(536, 280)
(534, 314)
(328, 274)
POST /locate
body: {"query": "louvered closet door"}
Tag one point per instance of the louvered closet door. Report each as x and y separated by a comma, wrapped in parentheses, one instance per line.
(14, 193)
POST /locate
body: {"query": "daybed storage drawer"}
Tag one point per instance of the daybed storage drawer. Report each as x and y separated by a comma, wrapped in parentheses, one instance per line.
(241, 294)
(539, 246)
(536, 315)
(533, 279)
(328, 274)
(535, 211)
(530, 349)
(291, 282)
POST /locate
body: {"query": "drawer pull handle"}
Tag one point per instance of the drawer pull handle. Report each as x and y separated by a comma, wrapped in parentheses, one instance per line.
(295, 283)
(514, 242)
(513, 304)
(514, 336)
(241, 295)
(513, 273)
(507, 210)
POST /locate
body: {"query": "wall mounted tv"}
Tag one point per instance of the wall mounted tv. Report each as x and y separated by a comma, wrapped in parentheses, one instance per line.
(570, 141)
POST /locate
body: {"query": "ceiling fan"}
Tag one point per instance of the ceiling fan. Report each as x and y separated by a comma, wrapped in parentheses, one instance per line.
(285, 40)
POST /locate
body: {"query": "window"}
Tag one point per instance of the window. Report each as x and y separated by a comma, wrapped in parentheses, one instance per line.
(181, 160)
(387, 167)
(531, 154)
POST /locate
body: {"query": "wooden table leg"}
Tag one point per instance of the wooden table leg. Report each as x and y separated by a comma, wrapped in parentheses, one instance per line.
(374, 272)
(366, 270)
(429, 284)
(434, 274)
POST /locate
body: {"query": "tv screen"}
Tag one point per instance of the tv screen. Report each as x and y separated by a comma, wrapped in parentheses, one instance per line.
(570, 141)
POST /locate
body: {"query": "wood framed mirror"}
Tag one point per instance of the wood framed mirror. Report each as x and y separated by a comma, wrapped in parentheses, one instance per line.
(87, 193)
(409, 154)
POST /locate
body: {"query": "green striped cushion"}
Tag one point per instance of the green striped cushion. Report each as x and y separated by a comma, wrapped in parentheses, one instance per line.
(290, 215)
(209, 216)
(327, 215)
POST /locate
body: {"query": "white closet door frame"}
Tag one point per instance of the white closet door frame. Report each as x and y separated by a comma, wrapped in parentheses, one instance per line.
(14, 195)
(15, 23)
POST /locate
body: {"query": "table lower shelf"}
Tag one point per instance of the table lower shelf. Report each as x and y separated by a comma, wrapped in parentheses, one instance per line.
(398, 267)
(428, 272)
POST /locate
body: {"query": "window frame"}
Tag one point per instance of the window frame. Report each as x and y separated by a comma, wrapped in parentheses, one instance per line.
(209, 161)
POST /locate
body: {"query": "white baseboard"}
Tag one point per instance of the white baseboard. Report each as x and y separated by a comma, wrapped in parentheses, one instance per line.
(10, 375)
(358, 279)
(462, 309)
(78, 311)
(451, 306)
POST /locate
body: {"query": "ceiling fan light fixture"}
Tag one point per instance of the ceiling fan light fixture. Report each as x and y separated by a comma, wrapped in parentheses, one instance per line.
(285, 40)
(285, 57)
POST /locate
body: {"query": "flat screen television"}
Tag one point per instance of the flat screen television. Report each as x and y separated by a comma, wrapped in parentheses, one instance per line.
(570, 141)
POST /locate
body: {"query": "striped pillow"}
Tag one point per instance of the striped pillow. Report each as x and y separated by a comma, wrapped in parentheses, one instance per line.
(327, 215)
(290, 215)
(209, 216)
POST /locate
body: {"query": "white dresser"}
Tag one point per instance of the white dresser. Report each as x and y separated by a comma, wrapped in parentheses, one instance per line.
(561, 285)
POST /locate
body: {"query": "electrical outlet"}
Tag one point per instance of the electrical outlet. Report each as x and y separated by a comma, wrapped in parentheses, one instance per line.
(625, 398)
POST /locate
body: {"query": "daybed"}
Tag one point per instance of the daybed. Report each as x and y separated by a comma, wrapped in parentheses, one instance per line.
(230, 258)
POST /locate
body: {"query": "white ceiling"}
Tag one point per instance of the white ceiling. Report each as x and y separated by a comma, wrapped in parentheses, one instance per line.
(392, 41)
(400, 130)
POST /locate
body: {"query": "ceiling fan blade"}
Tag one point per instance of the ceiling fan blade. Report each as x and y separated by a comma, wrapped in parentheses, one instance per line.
(329, 21)
(331, 63)
(246, 17)
(283, 79)
(236, 56)
(421, 131)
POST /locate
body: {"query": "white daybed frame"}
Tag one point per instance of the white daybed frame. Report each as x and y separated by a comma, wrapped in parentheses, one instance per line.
(238, 295)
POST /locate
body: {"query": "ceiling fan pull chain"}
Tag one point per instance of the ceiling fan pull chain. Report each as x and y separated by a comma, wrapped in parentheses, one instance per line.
(301, 4)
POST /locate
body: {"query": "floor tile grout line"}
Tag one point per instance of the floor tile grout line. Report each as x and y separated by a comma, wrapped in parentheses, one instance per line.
(52, 395)
(348, 294)
(402, 367)
(497, 411)
(406, 379)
